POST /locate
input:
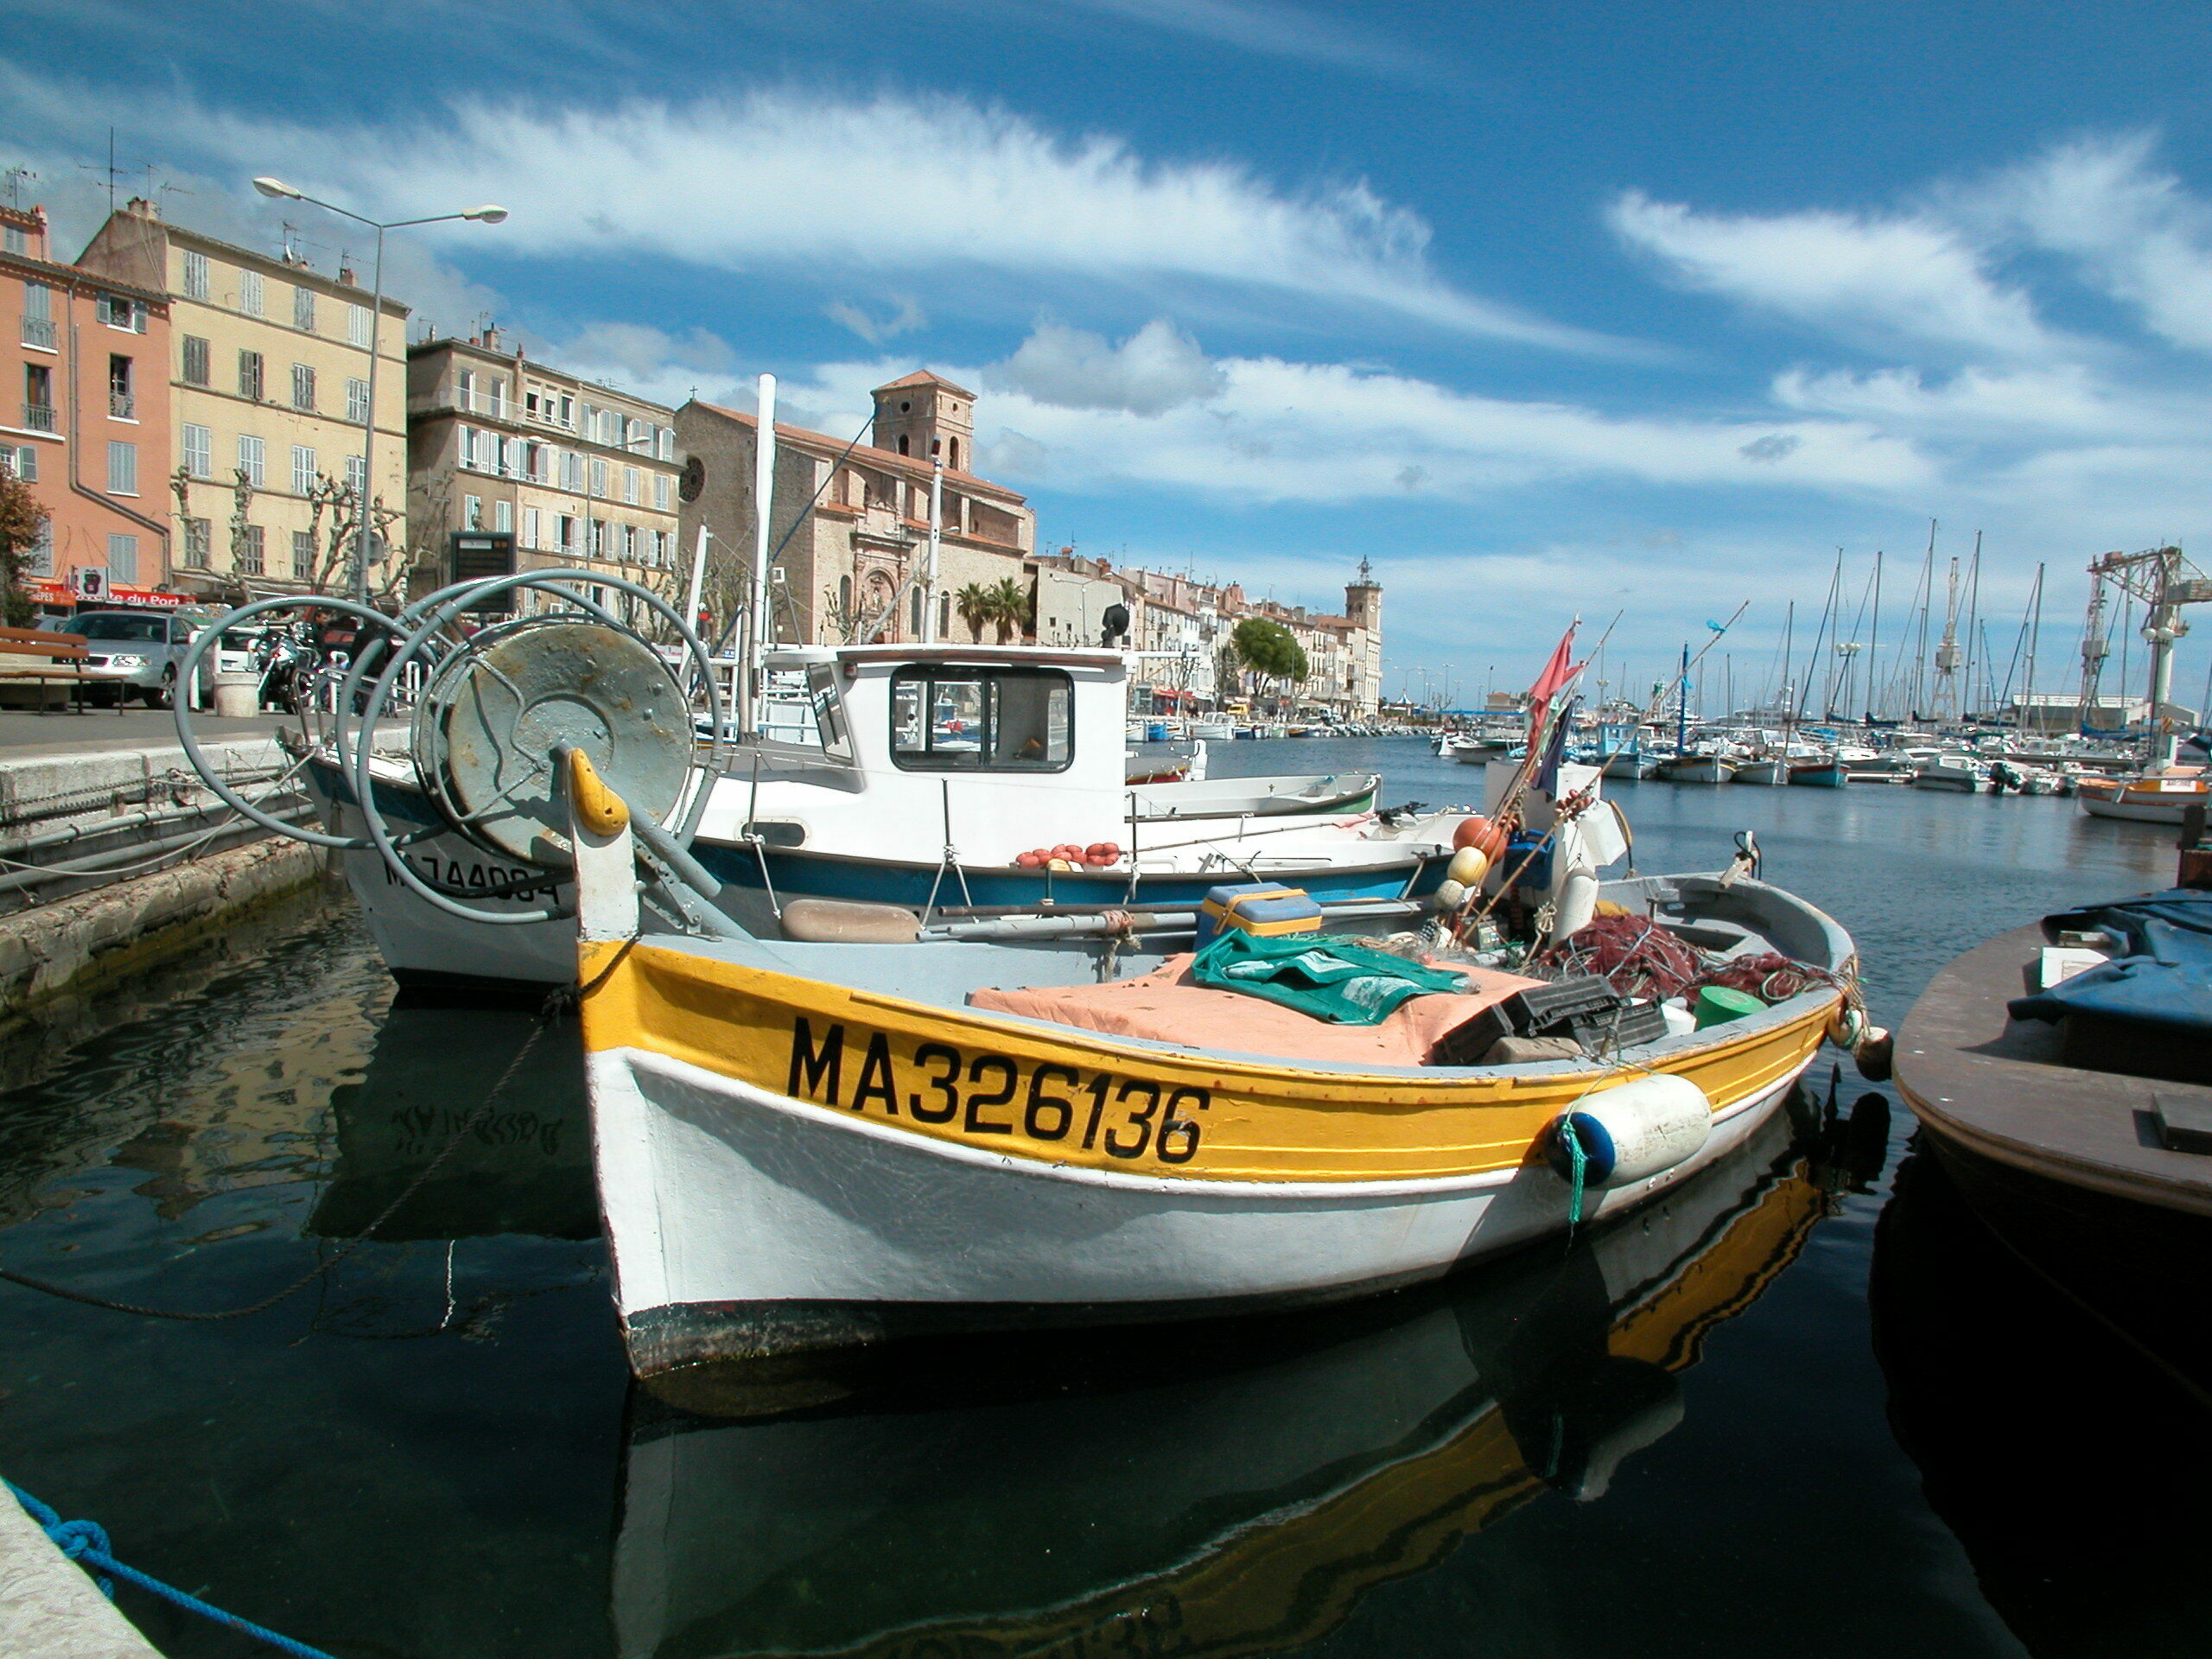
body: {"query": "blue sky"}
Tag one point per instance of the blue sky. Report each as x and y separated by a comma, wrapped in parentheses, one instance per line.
(1581, 308)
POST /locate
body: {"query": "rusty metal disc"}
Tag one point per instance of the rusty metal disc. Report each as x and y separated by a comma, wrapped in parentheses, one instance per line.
(496, 711)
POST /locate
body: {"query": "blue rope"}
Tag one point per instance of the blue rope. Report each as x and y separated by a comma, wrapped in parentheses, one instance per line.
(85, 1543)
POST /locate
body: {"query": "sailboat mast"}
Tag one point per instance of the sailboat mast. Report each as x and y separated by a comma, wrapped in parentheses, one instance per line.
(1874, 646)
(1682, 702)
(1973, 624)
(1920, 649)
(2035, 631)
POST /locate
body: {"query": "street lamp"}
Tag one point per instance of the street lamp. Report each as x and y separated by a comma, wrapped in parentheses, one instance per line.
(488, 215)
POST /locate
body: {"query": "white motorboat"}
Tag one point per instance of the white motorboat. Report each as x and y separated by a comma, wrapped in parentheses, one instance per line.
(1962, 773)
(964, 775)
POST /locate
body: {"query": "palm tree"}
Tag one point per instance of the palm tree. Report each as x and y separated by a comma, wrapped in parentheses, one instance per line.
(1009, 607)
(976, 606)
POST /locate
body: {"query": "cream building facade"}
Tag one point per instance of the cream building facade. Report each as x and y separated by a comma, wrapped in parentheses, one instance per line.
(268, 388)
(853, 520)
(584, 476)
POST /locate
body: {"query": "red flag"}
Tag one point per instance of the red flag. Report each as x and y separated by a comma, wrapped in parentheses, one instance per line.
(1557, 673)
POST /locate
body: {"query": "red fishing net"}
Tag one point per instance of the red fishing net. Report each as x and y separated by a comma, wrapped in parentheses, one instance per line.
(1633, 954)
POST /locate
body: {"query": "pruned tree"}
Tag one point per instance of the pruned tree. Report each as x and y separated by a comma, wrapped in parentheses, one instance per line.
(23, 531)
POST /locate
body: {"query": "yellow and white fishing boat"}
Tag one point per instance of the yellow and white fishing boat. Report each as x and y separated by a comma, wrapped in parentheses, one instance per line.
(807, 1145)
(865, 1126)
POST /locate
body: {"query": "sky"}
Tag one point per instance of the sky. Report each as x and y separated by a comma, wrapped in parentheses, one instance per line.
(1642, 313)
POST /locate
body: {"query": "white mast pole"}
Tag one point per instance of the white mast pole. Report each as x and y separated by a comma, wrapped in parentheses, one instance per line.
(936, 518)
(763, 631)
(698, 580)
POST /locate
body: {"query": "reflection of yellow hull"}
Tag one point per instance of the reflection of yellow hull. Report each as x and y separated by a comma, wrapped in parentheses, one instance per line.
(1063, 1098)
(1280, 1587)
(1284, 1567)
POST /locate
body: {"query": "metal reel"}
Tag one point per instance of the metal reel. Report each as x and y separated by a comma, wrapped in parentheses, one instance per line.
(498, 707)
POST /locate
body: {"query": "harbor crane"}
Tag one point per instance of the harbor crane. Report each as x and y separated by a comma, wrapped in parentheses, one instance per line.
(2163, 581)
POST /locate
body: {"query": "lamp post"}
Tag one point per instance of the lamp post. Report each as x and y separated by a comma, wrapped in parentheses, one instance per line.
(488, 215)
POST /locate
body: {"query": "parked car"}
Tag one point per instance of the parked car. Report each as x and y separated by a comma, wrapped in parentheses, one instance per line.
(138, 652)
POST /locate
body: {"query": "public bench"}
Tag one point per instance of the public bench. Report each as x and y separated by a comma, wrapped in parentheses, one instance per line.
(34, 657)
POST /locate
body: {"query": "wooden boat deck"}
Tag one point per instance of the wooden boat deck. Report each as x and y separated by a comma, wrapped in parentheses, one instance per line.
(1997, 1087)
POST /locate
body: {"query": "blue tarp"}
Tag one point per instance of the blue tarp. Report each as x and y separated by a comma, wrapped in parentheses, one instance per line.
(2163, 976)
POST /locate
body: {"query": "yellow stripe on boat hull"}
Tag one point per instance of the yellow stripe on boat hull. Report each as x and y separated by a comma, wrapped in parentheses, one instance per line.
(1071, 1098)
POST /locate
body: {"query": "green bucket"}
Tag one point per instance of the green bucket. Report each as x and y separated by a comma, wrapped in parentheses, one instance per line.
(1717, 1005)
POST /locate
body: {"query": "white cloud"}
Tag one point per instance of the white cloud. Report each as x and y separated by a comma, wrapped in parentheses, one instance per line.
(2137, 232)
(1880, 280)
(2064, 400)
(1274, 31)
(792, 180)
(1154, 369)
(1279, 432)
(905, 317)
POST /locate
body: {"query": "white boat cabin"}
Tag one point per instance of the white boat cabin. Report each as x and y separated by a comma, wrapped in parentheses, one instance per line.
(991, 749)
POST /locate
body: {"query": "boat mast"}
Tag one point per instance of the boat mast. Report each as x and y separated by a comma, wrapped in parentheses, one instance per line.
(2035, 634)
(1920, 649)
(1974, 623)
(761, 635)
(1874, 645)
(1682, 703)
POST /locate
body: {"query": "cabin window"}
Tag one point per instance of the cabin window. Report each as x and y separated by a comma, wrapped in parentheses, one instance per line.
(955, 719)
(828, 712)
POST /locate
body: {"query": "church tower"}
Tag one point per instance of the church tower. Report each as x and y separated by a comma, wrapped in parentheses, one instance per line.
(923, 414)
(1363, 600)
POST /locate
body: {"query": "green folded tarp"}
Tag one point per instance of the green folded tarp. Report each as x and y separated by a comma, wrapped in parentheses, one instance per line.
(1329, 979)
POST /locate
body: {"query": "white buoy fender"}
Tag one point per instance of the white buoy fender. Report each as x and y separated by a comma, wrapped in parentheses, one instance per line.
(1576, 906)
(1637, 1129)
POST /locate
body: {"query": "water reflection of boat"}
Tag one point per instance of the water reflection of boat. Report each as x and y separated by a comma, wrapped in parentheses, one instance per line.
(2070, 1468)
(1235, 1489)
(526, 1168)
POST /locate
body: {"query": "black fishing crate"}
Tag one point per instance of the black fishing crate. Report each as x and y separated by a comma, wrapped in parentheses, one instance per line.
(1582, 1007)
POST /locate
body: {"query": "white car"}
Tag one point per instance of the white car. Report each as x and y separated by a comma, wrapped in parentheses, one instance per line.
(139, 650)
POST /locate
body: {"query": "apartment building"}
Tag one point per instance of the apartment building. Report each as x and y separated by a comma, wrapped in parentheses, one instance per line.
(853, 520)
(584, 476)
(268, 385)
(85, 419)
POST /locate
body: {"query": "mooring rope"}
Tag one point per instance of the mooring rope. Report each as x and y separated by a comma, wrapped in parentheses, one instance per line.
(86, 1543)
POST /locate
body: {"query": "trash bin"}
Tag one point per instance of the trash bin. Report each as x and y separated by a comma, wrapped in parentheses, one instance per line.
(238, 697)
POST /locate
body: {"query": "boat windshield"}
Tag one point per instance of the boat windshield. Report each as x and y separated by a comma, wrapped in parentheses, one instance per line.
(955, 718)
(829, 711)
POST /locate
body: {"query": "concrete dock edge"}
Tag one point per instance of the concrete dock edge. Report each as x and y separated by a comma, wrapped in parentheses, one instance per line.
(90, 936)
(49, 1606)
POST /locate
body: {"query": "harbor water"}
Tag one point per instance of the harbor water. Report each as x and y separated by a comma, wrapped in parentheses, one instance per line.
(1805, 1406)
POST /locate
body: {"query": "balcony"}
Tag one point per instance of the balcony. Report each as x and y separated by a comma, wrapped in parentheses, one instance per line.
(122, 406)
(39, 332)
(38, 417)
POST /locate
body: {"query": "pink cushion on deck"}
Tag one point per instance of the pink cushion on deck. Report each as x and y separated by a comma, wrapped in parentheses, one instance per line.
(1165, 1006)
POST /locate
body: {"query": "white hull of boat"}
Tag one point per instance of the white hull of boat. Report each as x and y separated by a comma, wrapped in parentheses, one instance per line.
(2138, 811)
(742, 1221)
(1697, 772)
(1959, 783)
(1762, 771)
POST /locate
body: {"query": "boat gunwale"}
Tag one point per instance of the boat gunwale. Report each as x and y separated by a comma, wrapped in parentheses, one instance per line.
(1955, 991)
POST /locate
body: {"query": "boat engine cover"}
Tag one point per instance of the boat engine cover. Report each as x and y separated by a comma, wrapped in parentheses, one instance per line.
(496, 711)
(1644, 1126)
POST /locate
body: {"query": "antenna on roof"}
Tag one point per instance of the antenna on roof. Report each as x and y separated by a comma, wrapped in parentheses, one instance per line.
(15, 176)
